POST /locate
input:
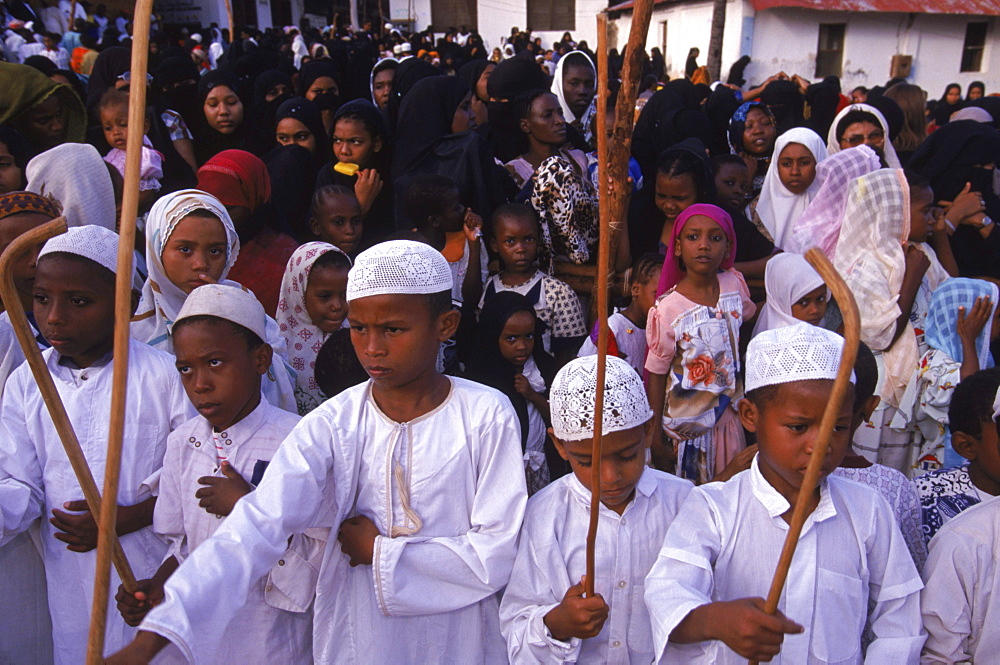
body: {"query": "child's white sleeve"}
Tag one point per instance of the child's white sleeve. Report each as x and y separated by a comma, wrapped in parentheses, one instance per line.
(22, 495)
(537, 585)
(426, 575)
(945, 600)
(168, 515)
(894, 593)
(682, 578)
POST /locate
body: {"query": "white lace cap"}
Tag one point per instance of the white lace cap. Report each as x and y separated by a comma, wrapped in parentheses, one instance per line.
(226, 302)
(398, 266)
(794, 353)
(96, 243)
(571, 398)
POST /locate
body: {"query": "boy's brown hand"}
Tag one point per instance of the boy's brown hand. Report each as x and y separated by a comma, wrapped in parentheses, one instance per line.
(367, 188)
(220, 494)
(522, 386)
(357, 540)
(134, 607)
(577, 616)
(971, 322)
(79, 532)
(473, 226)
(750, 631)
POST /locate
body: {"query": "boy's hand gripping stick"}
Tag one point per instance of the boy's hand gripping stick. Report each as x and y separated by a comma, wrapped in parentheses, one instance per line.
(852, 337)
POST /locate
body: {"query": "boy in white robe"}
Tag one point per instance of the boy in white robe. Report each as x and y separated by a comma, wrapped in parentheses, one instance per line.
(544, 616)
(215, 459)
(428, 470)
(705, 592)
(74, 309)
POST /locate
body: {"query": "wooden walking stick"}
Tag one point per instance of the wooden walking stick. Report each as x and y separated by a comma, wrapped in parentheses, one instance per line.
(72, 17)
(232, 26)
(54, 404)
(123, 313)
(852, 337)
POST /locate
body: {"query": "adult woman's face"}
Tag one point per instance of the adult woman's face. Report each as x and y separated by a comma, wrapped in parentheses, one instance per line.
(484, 78)
(975, 93)
(321, 86)
(295, 132)
(545, 122)
(382, 87)
(758, 133)
(579, 87)
(275, 92)
(464, 117)
(953, 95)
(864, 132)
(11, 175)
(44, 124)
(223, 109)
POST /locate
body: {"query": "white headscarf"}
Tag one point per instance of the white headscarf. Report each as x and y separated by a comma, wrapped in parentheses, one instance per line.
(303, 338)
(777, 207)
(557, 90)
(75, 175)
(162, 299)
(787, 278)
(833, 145)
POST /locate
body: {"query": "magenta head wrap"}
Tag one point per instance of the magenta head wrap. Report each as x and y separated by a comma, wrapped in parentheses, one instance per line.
(672, 272)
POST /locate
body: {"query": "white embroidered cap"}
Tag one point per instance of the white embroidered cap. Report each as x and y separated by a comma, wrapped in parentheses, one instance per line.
(794, 353)
(571, 398)
(90, 241)
(398, 266)
(226, 302)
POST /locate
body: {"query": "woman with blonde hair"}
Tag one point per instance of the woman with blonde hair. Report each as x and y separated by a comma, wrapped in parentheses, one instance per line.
(912, 99)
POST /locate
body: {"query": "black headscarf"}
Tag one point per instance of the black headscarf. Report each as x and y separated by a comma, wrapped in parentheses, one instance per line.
(368, 113)
(313, 70)
(266, 82)
(426, 113)
(308, 114)
(409, 72)
(487, 365)
(943, 110)
(670, 116)
(109, 65)
(292, 170)
(207, 141)
(823, 98)
(511, 78)
(786, 104)
(470, 73)
(42, 64)
(736, 71)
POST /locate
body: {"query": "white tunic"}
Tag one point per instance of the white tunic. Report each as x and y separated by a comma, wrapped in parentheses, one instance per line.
(725, 543)
(551, 558)
(960, 602)
(35, 476)
(430, 597)
(275, 619)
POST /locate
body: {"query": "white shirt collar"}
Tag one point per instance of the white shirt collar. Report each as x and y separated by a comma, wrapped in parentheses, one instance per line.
(776, 505)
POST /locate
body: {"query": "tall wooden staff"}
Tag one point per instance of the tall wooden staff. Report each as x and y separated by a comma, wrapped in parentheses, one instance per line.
(123, 312)
(72, 17)
(232, 26)
(50, 395)
(611, 167)
(852, 336)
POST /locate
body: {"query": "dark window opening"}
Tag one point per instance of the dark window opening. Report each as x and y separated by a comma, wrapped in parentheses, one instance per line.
(830, 50)
(972, 50)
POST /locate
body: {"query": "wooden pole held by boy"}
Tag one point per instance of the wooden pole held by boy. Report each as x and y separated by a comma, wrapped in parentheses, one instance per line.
(232, 26)
(123, 313)
(852, 337)
(50, 395)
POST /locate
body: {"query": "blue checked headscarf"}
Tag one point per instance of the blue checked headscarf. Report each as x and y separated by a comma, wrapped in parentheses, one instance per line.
(942, 317)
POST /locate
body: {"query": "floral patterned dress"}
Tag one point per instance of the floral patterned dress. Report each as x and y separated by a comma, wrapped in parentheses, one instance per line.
(697, 348)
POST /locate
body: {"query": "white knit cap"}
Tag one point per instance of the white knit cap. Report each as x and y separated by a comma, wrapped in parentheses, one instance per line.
(89, 241)
(398, 266)
(571, 398)
(226, 302)
(800, 352)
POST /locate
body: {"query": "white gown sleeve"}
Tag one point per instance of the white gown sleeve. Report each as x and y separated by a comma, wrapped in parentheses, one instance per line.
(22, 495)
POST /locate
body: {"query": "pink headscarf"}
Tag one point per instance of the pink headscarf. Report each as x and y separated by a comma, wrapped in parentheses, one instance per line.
(672, 273)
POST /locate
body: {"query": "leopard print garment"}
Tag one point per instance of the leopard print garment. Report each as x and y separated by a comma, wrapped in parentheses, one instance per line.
(567, 210)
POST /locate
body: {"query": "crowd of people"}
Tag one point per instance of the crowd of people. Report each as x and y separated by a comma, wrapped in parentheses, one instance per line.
(363, 337)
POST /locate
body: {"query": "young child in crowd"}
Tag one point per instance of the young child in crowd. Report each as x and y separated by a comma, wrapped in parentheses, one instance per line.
(74, 294)
(705, 591)
(795, 292)
(432, 206)
(960, 597)
(313, 305)
(754, 245)
(947, 492)
(113, 112)
(960, 326)
(509, 357)
(215, 459)
(627, 326)
(544, 616)
(335, 218)
(893, 485)
(683, 178)
(693, 337)
(420, 472)
(191, 241)
(515, 241)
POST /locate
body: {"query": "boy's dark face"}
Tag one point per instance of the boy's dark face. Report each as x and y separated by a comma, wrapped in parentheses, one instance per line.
(733, 185)
(452, 215)
(396, 338)
(787, 427)
(220, 373)
(517, 243)
(24, 270)
(623, 459)
(75, 307)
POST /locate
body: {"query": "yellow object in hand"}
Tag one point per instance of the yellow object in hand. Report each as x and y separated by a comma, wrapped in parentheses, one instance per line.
(346, 168)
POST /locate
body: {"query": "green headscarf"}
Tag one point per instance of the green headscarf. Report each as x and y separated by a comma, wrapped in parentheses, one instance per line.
(25, 87)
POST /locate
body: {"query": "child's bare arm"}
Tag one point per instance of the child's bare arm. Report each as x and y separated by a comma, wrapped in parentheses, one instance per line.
(140, 651)
(741, 624)
(576, 616)
(656, 390)
(917, 264)
(472, 285)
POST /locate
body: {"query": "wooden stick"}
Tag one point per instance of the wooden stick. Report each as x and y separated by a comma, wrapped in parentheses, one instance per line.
(852, 337)
(232, 26)
(72, 16)
(601, 287)
(123, 313)
(53, 403)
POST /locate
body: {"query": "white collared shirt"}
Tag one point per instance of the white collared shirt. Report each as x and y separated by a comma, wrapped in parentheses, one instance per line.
(725, 543)
(36, 476)
(430, 597)
(961, 599)
(551, 558)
